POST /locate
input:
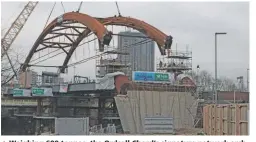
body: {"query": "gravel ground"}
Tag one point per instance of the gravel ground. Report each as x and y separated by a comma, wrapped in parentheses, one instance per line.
(188, 131)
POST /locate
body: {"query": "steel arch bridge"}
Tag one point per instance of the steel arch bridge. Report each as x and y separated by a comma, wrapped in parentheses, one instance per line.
(90, 25)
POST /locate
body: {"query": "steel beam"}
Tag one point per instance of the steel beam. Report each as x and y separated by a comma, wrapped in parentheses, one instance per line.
(86, 20)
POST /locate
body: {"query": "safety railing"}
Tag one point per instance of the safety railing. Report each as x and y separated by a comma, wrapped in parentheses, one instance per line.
(14, 102)
(20, 102)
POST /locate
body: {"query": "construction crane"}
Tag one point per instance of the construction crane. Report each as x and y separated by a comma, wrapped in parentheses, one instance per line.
(16, 27)
(119, 14)
(14, 30)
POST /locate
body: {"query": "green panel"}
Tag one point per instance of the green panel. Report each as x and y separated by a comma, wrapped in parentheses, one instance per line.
(18, 92)
(38, 91)
(161, 77)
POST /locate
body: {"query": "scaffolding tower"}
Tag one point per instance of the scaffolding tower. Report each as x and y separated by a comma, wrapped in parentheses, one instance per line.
(177, 62)
(110, 62)
(180, 62)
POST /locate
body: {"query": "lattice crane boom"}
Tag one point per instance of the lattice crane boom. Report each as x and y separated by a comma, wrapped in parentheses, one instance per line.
(16, 27)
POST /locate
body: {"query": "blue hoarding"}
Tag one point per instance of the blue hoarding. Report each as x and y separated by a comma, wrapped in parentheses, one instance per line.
(140, 76)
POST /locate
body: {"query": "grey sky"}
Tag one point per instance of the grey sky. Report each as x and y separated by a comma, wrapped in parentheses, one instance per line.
(189, 23)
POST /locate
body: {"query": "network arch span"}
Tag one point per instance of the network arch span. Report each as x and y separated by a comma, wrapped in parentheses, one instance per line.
(62, 23)
(96, 26)
(163, 41)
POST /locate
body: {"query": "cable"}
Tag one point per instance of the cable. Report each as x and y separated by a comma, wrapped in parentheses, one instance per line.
(85, 60)
(80, 6)
(49, 58)
(63, 7)
(53, 55)
(44, 55)
(131, 36)
(49, 15)
(87, 42)
(59, 49)
(119, 14)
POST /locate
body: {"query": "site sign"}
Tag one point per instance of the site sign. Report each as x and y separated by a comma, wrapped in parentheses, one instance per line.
(161, 77)
(21, 92)
(42, 92)
(37, 91)
(140, 76)
(18, 92)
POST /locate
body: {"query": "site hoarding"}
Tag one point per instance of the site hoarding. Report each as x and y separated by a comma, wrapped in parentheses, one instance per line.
(153, 77)
(63, 88)
(42, 92)
(72, 126)
(21, 92)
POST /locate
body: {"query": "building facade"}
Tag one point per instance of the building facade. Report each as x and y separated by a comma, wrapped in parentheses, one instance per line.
(28, 79)
(141, 51)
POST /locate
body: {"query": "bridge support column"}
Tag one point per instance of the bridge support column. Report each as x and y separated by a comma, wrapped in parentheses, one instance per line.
(100, 110)
(39, 107)
(38, 113)
(54, 107)
(74, 108)
(88, 110)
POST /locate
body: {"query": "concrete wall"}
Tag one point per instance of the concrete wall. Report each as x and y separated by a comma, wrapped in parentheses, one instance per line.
(137, 105)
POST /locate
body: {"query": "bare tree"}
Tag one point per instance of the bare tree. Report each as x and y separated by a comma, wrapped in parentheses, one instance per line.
(205, 80)
(227, 84)
(7, 73)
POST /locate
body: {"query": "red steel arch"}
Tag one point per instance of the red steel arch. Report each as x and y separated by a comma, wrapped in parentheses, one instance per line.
(91, 23)
(163, 41)
(96, 25)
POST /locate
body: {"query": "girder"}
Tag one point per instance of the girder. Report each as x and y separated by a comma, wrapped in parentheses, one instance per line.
(163, 41)
(91, 23)
(96, 25)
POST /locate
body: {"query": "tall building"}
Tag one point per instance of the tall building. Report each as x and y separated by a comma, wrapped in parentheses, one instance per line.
(141, 51)
(28, 79)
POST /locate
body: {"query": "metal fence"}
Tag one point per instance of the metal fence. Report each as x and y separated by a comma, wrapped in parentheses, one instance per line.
(158, 125)
(99, 130)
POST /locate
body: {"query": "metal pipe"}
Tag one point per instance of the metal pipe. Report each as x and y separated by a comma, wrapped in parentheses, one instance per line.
(234, 96)
(215, 91)
(216, 84)
(248, 80)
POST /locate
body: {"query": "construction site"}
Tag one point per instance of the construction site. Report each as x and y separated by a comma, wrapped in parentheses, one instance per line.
(133, 92)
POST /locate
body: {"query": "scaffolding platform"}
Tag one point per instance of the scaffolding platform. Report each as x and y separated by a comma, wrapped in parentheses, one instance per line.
(116, 52)
(171, 66)
(179, 55)
(111, 62)
(174, 68)
(175, 61)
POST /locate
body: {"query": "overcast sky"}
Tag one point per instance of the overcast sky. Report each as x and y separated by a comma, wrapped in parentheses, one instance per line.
(189, 23)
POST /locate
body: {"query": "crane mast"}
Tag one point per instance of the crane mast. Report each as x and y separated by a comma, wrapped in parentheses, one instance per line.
(16, 27)
(13, 32)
